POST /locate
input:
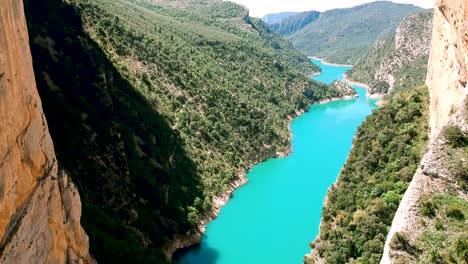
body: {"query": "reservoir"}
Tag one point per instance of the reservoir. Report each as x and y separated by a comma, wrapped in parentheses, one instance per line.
(273, 217)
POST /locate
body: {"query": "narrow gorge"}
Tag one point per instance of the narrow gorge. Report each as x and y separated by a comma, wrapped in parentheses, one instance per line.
(127, 128)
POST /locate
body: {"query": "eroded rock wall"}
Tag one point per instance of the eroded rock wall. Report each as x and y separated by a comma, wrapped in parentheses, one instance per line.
(412, 41)
(40, 208)
(448, 62)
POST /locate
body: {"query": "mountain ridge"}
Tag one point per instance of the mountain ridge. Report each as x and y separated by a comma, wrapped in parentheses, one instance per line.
(343, 35)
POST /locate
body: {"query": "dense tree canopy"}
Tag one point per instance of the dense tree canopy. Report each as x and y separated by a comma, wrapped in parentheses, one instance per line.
(154, 109)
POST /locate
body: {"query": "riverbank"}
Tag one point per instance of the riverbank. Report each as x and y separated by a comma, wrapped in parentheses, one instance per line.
(313, 254)
(346, 97)
(180, 242)
(314, 74)
(379, 103)
(218, 201)
(329, 63)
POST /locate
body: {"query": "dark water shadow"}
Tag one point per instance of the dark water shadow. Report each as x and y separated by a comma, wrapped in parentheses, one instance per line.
(130, 166)
(210, 255)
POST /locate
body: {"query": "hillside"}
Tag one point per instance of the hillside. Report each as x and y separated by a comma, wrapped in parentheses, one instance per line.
(360, 206)
(345, 35)
(277, 17)
(398, 61)
(156, 109)
(394, 186)
(293, 23)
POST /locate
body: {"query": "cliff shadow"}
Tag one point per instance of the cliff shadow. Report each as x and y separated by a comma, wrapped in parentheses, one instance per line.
(133, 175)
(204, 255)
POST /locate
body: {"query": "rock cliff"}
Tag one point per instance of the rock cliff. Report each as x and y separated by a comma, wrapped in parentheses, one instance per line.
(447, 75)
(40, 207)
(425, 214)
(412, 41)
(399, 61)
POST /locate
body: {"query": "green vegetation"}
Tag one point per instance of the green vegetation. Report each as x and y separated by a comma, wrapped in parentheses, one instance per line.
(155, 109)
(400, 241)
(365, 69)
(445, 237)
(386, 153)
(455, 136)
(456, 149)
(407, 64)
(294, 23)
(345, 35)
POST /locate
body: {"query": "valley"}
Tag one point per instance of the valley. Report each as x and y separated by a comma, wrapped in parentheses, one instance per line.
(191, 131)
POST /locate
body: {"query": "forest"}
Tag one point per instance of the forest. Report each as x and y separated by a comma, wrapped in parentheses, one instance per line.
(155, 109)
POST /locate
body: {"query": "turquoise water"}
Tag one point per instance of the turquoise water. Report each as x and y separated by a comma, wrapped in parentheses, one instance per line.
(277, 213)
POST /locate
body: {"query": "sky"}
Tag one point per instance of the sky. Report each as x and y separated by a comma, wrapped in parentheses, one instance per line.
(259, 8)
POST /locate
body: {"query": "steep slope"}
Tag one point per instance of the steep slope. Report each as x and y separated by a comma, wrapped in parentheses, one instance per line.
(277, 18)
(40, 207)
(430, 224)
(448, 62)
(345, 35)
(294, 23)
(157, 110)
(399, 61)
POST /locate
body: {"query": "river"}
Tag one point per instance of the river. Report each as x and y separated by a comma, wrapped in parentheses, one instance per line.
(277, 213)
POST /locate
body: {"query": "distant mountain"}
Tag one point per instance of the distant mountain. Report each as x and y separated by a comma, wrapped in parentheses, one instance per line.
(295, 22)
(345, 35)
(277, 18)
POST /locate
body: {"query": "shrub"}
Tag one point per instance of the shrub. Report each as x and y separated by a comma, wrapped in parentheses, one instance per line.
(459, 167)
(455, 136)
(454, 211)
(428, 208)
(400, 241)
(438, 223)
(460, 249)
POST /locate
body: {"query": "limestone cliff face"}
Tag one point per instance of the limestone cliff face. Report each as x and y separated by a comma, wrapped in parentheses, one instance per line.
(412, 41)
(39, 207)
(447, 83)
(399, 61)
(448, 63)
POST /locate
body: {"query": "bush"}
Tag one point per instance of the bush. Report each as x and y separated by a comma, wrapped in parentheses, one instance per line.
(428, 208)
(459, 167)
(455, 136)
(438, 223)
(454, 211)
(460, 249)
(400, 241)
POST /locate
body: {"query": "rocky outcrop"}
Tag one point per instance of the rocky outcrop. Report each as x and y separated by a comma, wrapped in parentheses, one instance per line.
(447, 82)
(345, 90)
(412, 41)
(399, 61)
(40, 207)
(447, 75)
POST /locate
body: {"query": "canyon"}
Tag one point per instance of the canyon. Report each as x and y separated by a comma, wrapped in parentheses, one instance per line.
(41, 208)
